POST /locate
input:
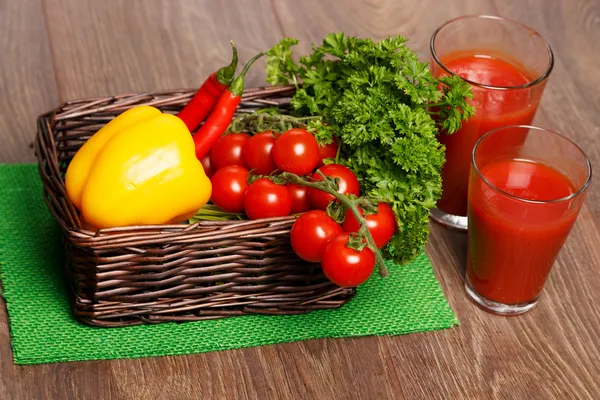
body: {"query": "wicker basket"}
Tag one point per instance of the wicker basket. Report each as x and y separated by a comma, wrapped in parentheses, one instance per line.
(151, 274)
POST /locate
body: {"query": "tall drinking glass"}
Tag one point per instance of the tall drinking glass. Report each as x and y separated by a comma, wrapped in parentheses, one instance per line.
(524, 197)
(507, 66)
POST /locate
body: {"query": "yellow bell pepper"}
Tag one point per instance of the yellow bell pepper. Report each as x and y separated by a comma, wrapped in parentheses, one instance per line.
(139, 169)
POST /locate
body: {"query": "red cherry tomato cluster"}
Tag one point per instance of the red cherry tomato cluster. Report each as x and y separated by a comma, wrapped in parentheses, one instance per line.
(295, 151)
(315, 237)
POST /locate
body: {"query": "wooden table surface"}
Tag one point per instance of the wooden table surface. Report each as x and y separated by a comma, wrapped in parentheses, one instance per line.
(57, 50)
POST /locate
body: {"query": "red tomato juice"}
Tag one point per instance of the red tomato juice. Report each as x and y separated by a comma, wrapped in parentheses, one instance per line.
(493, 108)
(513, 243)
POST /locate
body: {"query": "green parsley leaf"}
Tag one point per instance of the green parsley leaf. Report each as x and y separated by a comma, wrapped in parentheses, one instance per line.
(386, 109)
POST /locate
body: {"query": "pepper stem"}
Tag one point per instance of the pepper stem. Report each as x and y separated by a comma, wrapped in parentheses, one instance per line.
(237, 87)
(226, 74)
(327, 187)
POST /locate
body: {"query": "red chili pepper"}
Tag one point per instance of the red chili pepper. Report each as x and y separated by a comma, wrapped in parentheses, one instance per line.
(219, 120)
(206, 97)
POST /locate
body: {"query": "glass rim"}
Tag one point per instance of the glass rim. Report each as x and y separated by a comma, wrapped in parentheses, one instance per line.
(534, 82)
(573, 195)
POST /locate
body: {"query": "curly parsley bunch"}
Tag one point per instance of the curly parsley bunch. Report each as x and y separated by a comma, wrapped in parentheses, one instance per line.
(385, 108)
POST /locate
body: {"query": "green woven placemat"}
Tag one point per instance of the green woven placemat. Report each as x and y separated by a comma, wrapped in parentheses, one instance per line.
(44, 331)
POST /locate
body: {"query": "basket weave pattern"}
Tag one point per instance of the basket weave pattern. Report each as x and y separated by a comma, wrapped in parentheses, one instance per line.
(151, 274)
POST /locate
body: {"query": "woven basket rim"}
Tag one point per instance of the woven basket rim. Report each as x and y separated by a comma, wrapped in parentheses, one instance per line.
(117, 104)
(132, 99)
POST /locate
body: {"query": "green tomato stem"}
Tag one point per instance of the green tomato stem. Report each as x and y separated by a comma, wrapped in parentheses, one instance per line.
(364, 229)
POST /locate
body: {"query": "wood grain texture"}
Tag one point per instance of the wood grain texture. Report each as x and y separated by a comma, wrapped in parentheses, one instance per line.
(114, 47)
(27, 86)
(121, 46)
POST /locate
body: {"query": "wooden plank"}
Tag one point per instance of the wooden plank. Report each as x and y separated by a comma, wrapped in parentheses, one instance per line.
(27, 84)
(113, 47)
(414, 19)
(27, 89)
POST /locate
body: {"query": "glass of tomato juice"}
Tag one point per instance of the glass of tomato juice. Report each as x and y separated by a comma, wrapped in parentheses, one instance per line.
(507, 66)
(524, 197)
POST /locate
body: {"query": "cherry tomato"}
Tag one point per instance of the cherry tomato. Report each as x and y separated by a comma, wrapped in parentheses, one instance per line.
(257, 153)
(228, 151)
(345, 266)
(299, 196)
(296, 151)
(327, 151)
(207, 165)
(311, 232)
(348, 185)
(229, 186)
(382, 225)
(265, 199)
